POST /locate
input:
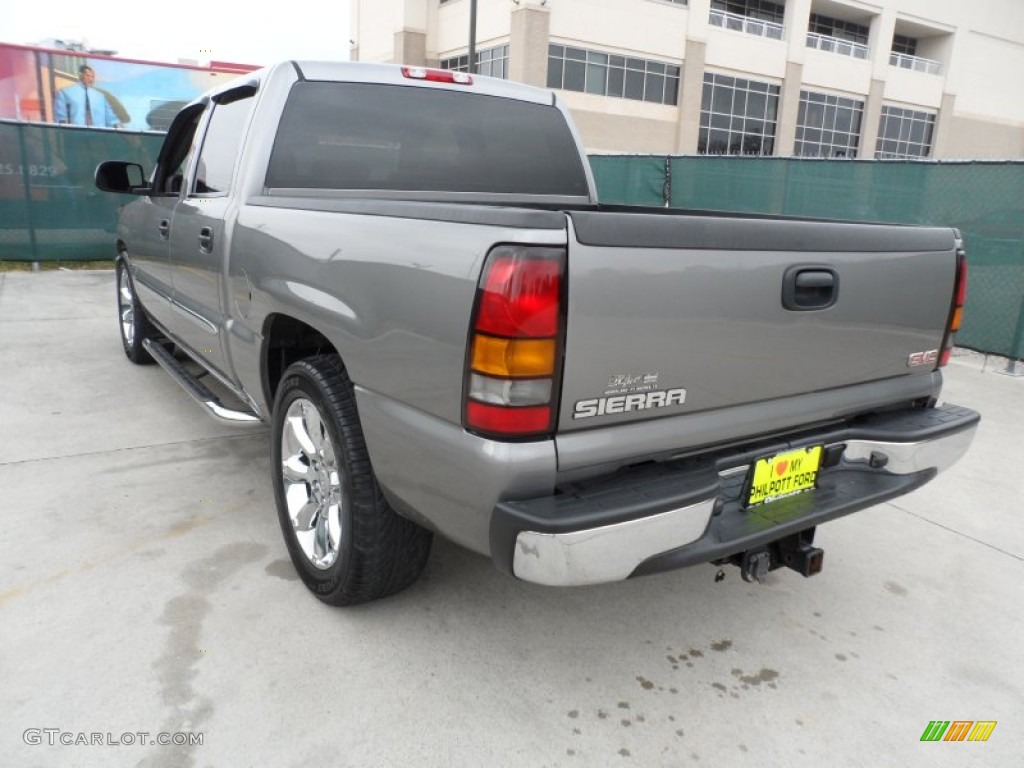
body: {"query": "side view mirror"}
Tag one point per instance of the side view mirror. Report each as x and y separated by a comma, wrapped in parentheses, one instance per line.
(119, 176)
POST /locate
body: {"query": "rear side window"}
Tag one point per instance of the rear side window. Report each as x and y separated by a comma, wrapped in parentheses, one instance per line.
(401, 138)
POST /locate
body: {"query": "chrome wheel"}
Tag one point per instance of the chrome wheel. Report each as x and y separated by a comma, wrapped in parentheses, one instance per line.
(312, 483)
(347, 544)
(126, 308)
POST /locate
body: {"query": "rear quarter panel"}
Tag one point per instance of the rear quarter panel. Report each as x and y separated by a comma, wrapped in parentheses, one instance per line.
(393, 294)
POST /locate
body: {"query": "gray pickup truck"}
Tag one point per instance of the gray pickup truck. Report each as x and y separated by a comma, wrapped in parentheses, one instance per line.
(407, 274)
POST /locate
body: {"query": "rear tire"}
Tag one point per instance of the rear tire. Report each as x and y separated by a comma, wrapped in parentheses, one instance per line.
(132, 318)
(347, 544)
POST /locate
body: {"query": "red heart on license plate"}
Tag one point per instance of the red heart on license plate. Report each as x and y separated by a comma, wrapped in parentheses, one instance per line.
(780, 468)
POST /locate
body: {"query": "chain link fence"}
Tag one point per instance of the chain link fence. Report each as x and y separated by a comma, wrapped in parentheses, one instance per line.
(50, 210)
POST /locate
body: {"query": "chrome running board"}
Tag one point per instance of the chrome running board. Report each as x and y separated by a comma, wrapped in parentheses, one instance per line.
(197, 390)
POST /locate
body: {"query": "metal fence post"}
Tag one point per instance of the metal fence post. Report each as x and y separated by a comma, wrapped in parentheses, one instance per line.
(666, 191)
(1014, 365)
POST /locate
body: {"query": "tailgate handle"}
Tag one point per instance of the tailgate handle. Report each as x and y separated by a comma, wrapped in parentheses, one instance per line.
(809, 287)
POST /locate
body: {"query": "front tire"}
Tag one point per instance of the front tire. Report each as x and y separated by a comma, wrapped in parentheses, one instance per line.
(132, 318)
(347, 544)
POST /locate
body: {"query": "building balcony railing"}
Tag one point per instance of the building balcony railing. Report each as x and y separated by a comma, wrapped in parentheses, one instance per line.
(916, 63)
(738, 23)
(835, 45)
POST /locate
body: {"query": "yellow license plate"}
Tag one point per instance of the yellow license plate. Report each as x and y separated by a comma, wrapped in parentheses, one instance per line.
(784, 475)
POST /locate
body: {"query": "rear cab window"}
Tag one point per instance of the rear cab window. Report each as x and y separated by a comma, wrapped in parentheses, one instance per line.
(359, 136)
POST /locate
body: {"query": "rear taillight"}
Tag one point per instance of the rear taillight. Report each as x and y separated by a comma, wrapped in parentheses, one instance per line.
(515, 343)
(956, 312)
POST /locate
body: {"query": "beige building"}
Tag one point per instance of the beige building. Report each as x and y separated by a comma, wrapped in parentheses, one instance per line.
(820, 78)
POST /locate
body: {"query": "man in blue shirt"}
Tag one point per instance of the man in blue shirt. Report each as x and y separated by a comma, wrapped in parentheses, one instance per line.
(82, 104)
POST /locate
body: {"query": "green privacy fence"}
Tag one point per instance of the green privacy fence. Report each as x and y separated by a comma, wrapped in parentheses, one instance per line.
(985, 200)
(49, 208)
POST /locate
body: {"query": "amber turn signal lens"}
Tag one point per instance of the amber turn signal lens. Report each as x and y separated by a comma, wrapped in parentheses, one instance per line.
(513, 358)
(958, 316)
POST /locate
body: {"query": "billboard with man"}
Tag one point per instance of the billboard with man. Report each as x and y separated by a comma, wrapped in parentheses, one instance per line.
(72, 88)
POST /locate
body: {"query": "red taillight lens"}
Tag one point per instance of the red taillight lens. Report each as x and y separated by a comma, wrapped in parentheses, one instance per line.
(956, 312)
(499, 420)
(520, 297)
(961, 279)
(512, 366)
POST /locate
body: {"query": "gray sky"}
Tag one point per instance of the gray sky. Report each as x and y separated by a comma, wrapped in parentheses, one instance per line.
(221, 30)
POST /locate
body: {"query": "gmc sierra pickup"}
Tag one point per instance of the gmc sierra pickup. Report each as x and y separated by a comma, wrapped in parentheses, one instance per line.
(407, 274)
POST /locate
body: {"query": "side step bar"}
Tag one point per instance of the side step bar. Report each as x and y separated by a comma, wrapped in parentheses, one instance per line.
(198, 391)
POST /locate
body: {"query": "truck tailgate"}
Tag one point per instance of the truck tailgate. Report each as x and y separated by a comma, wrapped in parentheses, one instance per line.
(672, 313)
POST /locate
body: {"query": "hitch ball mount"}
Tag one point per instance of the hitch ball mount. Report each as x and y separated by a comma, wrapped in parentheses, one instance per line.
(797, 552)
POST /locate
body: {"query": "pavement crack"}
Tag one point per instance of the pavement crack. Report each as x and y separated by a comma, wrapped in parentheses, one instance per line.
(248, 433)
(37, 320)
(954, 531)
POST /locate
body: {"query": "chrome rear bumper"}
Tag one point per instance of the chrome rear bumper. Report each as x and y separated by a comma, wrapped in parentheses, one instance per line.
(606, 553)
(681, 513)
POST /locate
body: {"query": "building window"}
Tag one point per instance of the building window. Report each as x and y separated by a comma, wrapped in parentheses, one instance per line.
(604, 74)
(490, 62)
(753, 17)
(828, 126)
(841, 30)
(905, 45)
(752, 9)
(904, 133)
(904, 55)
(737, 116)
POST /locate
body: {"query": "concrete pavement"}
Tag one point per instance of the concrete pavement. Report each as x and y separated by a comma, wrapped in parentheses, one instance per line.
(145, 587)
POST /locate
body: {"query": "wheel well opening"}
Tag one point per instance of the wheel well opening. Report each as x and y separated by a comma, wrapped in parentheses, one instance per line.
(287, 341)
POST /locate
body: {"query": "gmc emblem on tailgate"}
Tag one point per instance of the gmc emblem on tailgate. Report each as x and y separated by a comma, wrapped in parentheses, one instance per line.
(923, 358)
